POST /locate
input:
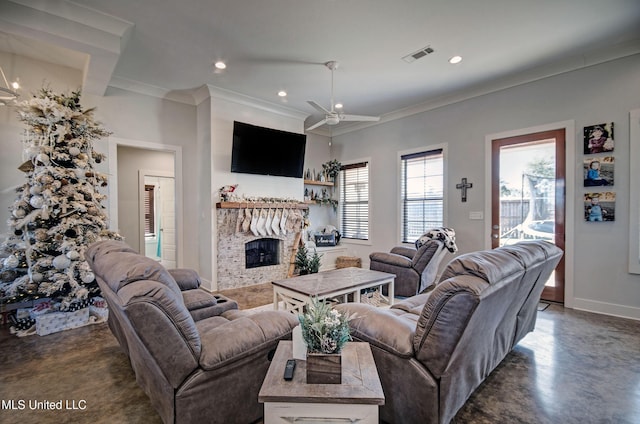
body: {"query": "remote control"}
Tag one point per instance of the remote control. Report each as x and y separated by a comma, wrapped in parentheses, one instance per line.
(288, 369)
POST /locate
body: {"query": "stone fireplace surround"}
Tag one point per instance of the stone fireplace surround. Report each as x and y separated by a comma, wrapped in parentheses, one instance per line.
(232, 271)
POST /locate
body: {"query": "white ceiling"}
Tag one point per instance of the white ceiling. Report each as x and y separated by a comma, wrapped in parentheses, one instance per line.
(169, 46)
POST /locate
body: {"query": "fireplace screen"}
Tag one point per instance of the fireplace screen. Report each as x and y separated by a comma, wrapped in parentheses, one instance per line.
(262, 252)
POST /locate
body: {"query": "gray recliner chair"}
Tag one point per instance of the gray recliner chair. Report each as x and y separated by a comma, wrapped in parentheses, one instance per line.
(416, 269)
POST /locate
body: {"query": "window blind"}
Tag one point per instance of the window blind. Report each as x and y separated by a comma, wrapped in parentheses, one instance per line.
(149, 210)
(354, 201)
(422, 192)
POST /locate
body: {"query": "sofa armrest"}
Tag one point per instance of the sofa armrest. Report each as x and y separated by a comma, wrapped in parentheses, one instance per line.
(390, 259)
(186, 278)
(407, 251)
(243, 335)
(381, 327)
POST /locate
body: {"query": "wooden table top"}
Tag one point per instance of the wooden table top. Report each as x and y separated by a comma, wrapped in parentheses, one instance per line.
(360, 381)
(327, 282)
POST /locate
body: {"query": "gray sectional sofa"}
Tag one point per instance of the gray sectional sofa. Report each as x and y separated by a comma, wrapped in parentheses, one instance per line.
(433, 350)
(197, 357)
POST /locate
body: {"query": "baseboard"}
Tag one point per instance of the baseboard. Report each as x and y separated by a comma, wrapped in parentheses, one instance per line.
(606, 308)
(206, 284)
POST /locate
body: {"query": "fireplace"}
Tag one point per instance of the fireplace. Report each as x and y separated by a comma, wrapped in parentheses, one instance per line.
(262, 252)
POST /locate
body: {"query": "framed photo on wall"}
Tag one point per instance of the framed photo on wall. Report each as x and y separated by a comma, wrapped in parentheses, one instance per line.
(598, 138)
(600, 207)
(598, 171)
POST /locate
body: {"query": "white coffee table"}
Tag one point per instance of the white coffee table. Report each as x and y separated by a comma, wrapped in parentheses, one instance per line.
(296, 292)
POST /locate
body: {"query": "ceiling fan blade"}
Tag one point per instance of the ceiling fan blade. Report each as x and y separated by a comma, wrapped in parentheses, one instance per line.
(316, 125)
(359, 118)
(317, 107)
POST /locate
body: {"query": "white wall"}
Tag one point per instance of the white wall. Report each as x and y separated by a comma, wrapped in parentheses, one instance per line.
(146, 119)
(601, 93)
(130, 161)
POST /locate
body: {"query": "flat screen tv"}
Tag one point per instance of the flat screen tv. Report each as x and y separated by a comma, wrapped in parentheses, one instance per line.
(265, 151)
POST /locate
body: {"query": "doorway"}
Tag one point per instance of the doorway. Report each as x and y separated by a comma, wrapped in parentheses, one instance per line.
(126, 159)
(528, 178)
(157, 216)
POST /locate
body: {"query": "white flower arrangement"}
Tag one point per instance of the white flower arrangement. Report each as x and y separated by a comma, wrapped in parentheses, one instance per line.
(324, 329)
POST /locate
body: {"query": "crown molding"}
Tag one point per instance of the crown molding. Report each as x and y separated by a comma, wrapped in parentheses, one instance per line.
(244, 100)
(180, 96)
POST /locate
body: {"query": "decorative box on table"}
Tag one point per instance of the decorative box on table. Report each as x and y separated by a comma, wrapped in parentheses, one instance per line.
(323, 240)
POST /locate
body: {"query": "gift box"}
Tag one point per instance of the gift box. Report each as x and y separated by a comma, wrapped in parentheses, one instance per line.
(99, 309)
(54, 322)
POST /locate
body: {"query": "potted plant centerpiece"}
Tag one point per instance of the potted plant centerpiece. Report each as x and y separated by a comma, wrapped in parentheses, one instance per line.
(325, 331)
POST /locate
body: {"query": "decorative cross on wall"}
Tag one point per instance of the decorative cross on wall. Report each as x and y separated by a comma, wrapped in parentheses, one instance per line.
(464, 185)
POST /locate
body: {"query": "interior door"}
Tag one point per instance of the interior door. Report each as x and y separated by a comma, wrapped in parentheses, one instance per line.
(162, 244)
(528, 195)
(168, 222)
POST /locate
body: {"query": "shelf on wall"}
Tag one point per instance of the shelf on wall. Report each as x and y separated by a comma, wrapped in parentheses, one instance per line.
(319, 183)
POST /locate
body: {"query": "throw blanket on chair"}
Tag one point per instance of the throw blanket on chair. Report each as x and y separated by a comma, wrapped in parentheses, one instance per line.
(447, 239)
(444, 234)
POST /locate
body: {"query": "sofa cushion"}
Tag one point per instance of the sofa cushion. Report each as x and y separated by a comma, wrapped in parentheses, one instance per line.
(490, 267)
(187, 279)
(121, 268)
(531, 253)
(424, 255)
(390, 330)
(197, 299)
(165, 327)
(413, 304)
(242, 335)
(390, 259)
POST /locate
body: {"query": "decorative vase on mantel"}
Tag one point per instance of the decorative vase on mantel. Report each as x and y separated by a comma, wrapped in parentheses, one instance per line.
(324, 368)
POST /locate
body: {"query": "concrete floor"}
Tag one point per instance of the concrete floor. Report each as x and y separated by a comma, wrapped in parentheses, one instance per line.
(577, 367)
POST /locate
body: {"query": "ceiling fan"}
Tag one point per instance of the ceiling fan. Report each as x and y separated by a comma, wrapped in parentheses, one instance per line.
(331, 116)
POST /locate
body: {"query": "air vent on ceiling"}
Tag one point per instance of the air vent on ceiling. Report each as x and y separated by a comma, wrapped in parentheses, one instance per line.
(418, 54)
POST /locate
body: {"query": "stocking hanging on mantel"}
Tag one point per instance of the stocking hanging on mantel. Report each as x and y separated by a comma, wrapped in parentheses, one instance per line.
(58, 211)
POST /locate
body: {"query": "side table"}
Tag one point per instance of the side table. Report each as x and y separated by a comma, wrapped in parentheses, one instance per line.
(357, 399)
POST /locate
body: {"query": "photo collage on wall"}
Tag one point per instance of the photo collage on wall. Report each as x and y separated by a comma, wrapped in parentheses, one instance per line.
(598, 169)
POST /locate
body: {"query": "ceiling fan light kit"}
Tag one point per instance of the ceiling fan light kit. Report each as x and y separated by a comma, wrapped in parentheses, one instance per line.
(7, 94)
(331, 116)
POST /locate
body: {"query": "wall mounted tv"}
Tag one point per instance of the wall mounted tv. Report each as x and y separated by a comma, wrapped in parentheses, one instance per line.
(265, 151)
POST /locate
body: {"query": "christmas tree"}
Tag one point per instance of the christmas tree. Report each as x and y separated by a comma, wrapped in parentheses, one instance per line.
(58, 211)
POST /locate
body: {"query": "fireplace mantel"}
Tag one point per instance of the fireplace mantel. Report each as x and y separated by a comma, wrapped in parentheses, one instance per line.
(242, 205)
(232, 271)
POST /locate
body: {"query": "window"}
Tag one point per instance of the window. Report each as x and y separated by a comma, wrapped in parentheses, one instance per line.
(422, 188)
(149, 211)
(354, 201)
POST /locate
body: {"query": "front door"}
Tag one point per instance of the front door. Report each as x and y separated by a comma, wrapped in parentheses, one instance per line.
(528, 195)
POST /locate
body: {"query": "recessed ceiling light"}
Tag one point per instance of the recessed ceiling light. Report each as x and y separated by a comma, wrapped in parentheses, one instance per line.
(338, 105)
(220, 65)
(282, 93)
(455, 59)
